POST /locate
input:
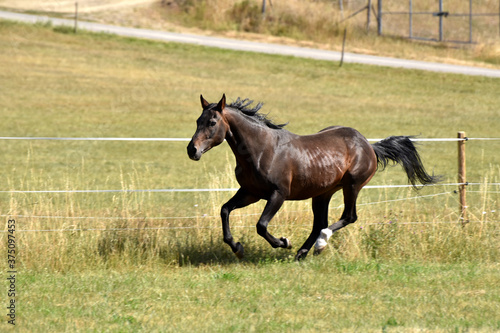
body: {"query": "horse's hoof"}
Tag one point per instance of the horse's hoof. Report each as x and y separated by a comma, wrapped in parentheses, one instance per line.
(240, 253)
(301, 255)
(286, 242)
(319, 246)
(318, 251)
(322, 241)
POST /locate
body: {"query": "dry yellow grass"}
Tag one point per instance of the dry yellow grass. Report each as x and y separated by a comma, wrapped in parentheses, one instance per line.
(68, 6)
(106, 86)
(383, 277)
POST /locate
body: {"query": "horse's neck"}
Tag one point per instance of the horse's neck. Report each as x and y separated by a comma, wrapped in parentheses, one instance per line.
(247, 138)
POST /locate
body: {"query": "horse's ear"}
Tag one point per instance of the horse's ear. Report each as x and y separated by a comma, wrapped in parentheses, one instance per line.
(222, 103)
(204, 103)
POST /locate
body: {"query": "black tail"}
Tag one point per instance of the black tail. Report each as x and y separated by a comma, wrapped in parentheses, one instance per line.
(401, 150)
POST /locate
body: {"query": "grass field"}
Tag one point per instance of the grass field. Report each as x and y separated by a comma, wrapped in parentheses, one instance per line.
(405, 266)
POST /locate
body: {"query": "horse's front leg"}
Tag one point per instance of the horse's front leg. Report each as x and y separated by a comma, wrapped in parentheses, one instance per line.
(273, 205)
(241, 199)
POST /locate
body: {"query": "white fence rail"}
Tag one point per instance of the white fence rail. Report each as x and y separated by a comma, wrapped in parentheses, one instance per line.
(188, 139)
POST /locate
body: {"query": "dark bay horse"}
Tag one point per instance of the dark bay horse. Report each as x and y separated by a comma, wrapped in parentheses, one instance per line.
(276, 165)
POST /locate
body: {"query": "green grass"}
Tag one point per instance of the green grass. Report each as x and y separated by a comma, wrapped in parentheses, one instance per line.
(383, 273)
(321, 294)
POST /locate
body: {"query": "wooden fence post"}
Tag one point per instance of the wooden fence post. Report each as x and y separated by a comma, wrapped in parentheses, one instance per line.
(462, 177)
(76, 17)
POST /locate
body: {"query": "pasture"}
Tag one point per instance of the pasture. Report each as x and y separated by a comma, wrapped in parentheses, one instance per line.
(144, 261)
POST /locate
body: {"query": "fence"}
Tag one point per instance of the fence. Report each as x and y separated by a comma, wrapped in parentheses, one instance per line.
(456, 22)
(461, 181)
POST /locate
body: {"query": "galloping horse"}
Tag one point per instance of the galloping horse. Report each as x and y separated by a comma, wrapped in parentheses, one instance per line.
(276, 165)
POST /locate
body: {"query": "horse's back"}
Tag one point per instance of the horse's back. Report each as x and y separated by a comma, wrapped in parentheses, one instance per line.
(338, 137)
(341, 131)
(356, 146)
(326, 159)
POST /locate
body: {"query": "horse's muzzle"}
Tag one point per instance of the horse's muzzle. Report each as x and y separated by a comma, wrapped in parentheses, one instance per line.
(193, 152)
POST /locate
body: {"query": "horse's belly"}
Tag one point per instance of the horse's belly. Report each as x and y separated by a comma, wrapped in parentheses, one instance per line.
(254, 183)
(316, 181)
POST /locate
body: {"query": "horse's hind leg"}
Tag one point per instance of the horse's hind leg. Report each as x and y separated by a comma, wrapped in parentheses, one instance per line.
(349, 216)
(320, 211)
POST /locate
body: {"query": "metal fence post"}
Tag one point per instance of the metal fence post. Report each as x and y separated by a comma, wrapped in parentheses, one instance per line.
(470, 21)
(368, 12)
(411, 20)
(440, 20)
(379, 17)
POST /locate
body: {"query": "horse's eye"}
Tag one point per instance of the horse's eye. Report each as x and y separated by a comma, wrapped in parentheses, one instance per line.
(212, 123)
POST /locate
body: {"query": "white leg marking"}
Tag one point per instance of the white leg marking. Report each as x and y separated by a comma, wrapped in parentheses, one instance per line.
(322, 240)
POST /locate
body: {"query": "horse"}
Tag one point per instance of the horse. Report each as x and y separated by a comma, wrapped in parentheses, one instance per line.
(275, 165)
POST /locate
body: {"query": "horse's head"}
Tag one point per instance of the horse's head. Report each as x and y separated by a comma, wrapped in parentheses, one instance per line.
(211, 129)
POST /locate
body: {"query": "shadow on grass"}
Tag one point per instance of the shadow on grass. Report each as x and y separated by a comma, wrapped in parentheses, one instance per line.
(221, 254)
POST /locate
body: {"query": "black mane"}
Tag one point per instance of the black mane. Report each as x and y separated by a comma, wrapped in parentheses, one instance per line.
(244, 106)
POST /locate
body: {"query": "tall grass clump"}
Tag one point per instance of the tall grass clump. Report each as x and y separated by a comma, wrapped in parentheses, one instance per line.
(75, 234)
(307, 20)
